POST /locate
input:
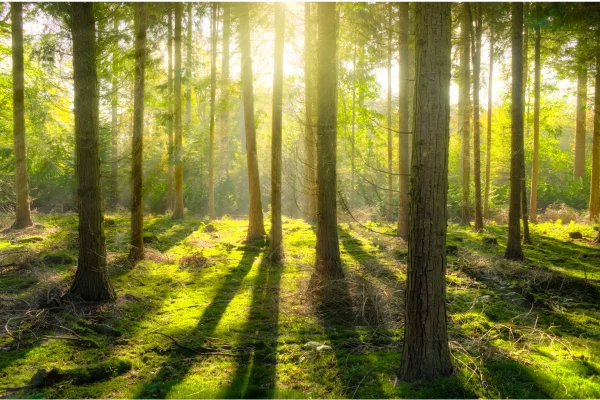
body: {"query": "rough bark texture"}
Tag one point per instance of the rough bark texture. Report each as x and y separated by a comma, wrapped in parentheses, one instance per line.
(426, 354)
(276, 233)
(476, 123)
(170, 116)
(178, 210)
(390, 144)
(114, 125)
(310, 185)
(256, 227)
(91, 278)
(595, 181)
(23, 213)
(464, 111)
(580, 127)
(136, 251)
(404, 135)
(536, 127)
(513, 245)
(213, 94)
(488, 153)
(224, 114)
(328, 262)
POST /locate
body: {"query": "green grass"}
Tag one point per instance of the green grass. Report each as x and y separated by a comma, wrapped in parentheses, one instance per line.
(206, 288)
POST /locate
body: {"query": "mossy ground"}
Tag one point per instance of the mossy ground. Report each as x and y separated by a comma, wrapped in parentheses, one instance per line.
(516, 330)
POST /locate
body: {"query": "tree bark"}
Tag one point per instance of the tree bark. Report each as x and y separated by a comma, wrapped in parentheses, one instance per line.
(136, 251)
(189, 61)
(23, 213)
(170, 116)
(390, 160)
(328, 262)
(213, 94)
(464, 111)
(309, 134)
(404, 135)
(114, 126)
(256, 227)
(524, 203)
(178, 210)
(580, 128)
(513, 245)
(224, 114)
(476, 123)
(276, 231)
(488, 154)
(536, 126)
(91, 278)
(426, 354)
(595, 180)
(353, 137)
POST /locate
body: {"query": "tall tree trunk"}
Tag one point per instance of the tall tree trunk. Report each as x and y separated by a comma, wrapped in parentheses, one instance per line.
(276, 233)
(390, 175)
(464, 111)
(476, 123)
(189, 61)
(525, 61)
(178, 210)
(256, 227)
(488, 153)
(136, 251)
(524, 203)
(353, 137)
(170, 116)
(213, 94)
(536, 126)
(426, 354)
(224, 114)
(579, 170)
(595, 181)
(309, 134)
(114, 126)
(328, 261)
(23, 213)
(513, 245)
(403, 126)
(91, 278)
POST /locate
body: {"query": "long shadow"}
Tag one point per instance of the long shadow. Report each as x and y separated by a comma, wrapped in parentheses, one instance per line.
(167, 377)
(255, 376)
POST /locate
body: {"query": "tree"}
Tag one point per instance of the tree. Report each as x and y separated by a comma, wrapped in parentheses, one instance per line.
(536, 126)
(170, 116)
(91, 278)
(426, 354)
(464, 110)
(23, 213)
(328, 261)
(276, 233)
(476, 124)
(488, 152)
(390, 160)
(136, 251)
(404, 170)
(580, 126)
(178, 211)
(310, 168)
(189, 61)
(224, 114)
(256, 227)
(114, 125)
(513, 245)
(595, 180)
(213, 93)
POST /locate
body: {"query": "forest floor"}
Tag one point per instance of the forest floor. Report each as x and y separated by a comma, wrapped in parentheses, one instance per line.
(206, 315)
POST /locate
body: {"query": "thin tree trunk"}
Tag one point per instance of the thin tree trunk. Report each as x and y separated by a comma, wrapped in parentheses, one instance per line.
(426, 354)
(256, 227)
(276, 232)
(136, 251)
(224, 114)
(488, 154)
(114, 102)
(580, 128)
(476, 123)
(524, 203)
(389, 120)
(353, 137)
(170, 116)
(91, 281)
(595, 181)
(213, 94)
(328, 262)
(189, 60)
(513, 245)
(23, 213)
(178, 210)
(464, 111)
(525, 61)
(404, 136)
(309, 134)
(536, 127)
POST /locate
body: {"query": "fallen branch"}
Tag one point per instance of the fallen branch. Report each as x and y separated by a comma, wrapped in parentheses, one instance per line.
(202, 350)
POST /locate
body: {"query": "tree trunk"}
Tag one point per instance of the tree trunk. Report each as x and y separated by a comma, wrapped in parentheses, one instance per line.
(595, 181)
(136, 251)
(276, 233)
(178, 210)
(213, 93)
(23, 213)
(256, 228)
(390, 175)
(513, 245)
(403, 126)
(579, 170)
(524, 203)
(464, 111)
(353, 137)
(114, 102)
(309, 134)
(170, 116)
(91, 278)
(426, 354)
(189, 60)
(224, 114)
(525, 61)
(328, 261)
(476, 123)
(488, 154)
(536, 126)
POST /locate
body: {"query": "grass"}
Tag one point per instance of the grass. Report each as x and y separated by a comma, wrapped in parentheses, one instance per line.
(516, 330)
